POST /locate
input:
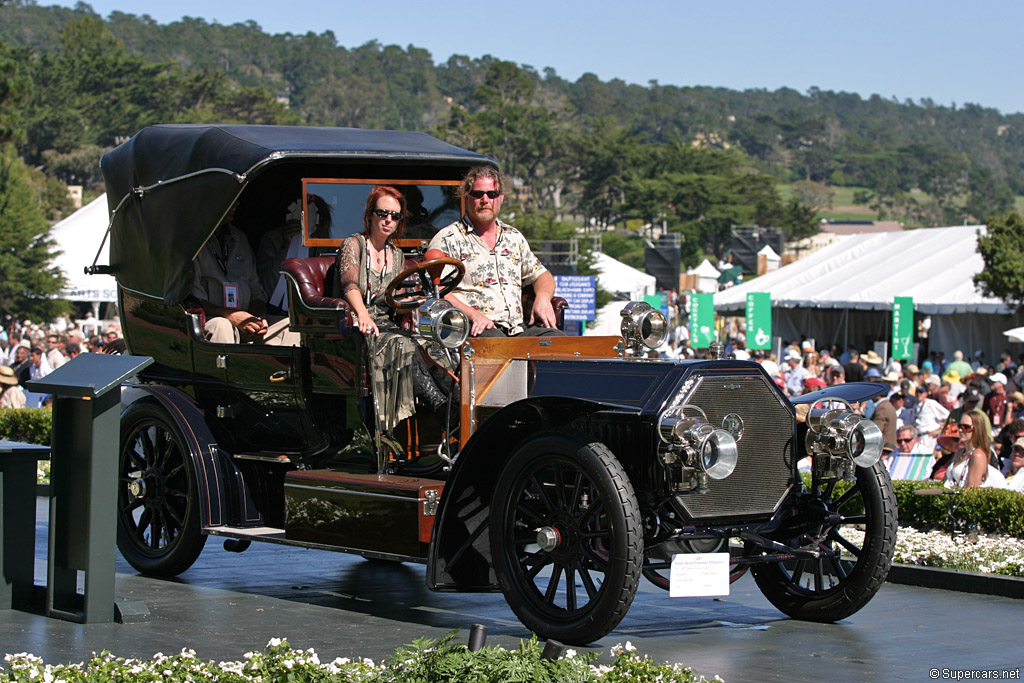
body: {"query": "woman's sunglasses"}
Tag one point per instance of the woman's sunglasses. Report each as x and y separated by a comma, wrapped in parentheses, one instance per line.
(966, 428)
(382, 214)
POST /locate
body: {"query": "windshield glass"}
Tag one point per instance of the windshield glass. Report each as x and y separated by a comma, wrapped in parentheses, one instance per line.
(333, 209)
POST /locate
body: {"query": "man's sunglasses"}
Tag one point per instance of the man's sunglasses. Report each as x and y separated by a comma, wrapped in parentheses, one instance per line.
(396, 216)
(905, 440)
(478, 194)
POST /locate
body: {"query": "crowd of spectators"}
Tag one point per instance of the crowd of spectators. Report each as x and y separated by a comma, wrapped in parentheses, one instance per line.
(30, 351)
(958, 414)
(966, 418)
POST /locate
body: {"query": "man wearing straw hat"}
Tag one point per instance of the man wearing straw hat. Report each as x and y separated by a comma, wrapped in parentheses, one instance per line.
(11, 395)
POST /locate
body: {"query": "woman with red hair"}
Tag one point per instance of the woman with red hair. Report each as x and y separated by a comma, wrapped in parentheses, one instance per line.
(366, 264)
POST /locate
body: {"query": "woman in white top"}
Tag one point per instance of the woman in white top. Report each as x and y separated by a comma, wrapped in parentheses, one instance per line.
(970, 466)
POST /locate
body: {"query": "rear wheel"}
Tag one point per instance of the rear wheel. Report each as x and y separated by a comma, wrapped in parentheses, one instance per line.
(861, 522)
(158, 522)
(566, 537)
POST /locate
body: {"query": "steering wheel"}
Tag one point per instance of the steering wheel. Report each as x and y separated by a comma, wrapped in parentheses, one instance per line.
(429, 284)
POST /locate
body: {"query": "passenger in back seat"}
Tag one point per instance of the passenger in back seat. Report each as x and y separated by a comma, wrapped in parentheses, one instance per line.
(225, 281)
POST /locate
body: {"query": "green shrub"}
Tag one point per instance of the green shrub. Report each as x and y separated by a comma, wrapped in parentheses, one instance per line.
(27, 425)
(995, 510)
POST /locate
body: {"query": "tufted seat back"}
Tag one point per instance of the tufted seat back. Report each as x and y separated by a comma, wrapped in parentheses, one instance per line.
(315, 278)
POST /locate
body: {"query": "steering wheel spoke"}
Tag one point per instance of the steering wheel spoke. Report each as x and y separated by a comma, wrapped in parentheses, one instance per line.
(431, 283)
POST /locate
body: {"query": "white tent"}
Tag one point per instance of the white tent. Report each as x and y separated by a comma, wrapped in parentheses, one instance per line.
(78, 237)
(626, 284)
(827, 295)
(621, 280)
(772, 260)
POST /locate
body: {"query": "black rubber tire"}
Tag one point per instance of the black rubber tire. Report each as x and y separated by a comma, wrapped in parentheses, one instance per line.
(159, 529)
(827, 590)
(658, 560)
(567, 482)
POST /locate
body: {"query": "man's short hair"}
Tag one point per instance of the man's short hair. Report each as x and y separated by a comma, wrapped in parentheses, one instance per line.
(476, 173)
(1017, 426)
(906, 428)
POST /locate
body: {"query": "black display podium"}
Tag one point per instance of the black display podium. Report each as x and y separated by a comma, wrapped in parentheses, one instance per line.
(83, 483)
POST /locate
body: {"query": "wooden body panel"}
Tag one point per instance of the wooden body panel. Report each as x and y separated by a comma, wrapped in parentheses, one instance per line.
(486, 359)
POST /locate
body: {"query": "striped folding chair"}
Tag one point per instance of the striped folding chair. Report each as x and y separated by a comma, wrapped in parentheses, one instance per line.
(915, 466)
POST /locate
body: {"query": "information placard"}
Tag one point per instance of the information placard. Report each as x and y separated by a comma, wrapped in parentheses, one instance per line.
(580, 291)
(699, 574)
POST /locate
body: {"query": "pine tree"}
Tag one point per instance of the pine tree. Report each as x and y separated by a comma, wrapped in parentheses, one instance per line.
(28, 279)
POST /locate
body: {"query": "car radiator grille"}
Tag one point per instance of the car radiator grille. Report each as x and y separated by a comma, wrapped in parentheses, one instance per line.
(764, 466)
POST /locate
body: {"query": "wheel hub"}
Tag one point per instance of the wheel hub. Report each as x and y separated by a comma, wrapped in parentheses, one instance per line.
(137, 487)
(548, 538)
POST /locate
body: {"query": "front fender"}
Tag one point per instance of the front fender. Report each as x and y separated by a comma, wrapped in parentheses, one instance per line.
(460, 556)
(852, 392)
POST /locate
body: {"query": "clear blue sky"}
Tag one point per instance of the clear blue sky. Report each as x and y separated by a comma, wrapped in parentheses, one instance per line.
(950, 51)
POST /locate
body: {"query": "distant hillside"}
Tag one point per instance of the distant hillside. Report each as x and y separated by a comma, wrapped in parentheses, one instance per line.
(820, 135)
(968, 159)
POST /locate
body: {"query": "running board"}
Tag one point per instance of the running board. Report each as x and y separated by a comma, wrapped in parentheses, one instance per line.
(267, 534)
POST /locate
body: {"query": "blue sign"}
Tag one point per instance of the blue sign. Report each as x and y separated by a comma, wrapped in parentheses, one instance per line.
(580, 291)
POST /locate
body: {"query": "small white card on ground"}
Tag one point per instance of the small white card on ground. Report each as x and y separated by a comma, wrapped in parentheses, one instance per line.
(699, 574)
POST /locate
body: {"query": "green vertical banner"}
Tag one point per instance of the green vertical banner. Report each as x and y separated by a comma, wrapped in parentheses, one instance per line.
(902, 328)
(702, 320)
(759, 321)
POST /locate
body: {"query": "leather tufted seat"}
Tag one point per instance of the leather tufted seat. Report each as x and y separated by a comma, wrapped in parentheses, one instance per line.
(314, 277)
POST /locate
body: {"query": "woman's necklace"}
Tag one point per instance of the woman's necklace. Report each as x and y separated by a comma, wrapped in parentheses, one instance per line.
(380, 257)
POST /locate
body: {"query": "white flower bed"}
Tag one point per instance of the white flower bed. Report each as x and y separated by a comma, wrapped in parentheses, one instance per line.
(988, 554)
(425, 661)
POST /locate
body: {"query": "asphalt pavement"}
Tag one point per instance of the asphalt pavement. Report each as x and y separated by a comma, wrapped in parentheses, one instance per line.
(343, 605)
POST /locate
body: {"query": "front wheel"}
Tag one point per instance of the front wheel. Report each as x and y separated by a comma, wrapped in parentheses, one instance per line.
(861, 523)
(566, 537)
(158, 524)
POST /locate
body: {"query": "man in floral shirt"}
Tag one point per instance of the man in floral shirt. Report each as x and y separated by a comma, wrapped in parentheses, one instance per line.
(498, 263)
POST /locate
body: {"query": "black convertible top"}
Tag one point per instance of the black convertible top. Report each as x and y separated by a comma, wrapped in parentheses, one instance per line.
(169, 186)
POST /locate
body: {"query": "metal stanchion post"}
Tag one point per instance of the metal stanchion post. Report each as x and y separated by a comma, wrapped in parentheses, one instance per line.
(477, 637)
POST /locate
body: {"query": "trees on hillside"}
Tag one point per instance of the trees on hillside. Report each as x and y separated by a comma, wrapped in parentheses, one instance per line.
(91, 93)
(1002, 249)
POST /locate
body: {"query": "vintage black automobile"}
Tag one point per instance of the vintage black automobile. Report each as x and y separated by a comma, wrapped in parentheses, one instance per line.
(580, 465)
